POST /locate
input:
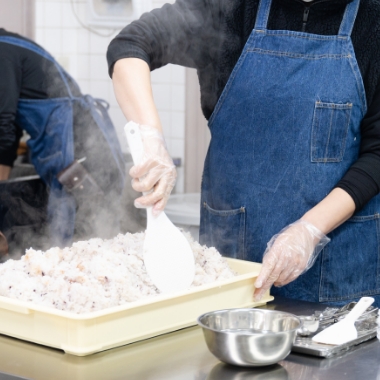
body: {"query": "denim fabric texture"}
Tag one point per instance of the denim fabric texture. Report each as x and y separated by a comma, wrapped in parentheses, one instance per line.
(49, 122)
(285, 130)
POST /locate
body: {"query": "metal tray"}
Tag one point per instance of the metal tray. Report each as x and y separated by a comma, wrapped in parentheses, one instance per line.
(366, 327)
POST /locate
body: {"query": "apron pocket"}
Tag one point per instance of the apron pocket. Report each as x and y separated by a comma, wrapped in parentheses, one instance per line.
(224, 230)
(350, 262)
(329, 131)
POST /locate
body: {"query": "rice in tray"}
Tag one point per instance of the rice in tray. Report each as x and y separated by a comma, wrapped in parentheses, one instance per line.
(96, 274)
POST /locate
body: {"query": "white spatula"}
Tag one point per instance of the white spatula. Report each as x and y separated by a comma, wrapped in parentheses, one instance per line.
(344, 330)
(168, 257)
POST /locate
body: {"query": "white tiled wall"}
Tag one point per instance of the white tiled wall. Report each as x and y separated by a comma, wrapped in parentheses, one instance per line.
(83, 54)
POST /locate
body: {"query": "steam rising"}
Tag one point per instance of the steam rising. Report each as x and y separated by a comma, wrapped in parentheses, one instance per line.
(24, 212)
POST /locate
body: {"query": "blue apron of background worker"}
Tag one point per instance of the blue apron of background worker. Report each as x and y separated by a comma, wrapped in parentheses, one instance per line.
(284, 132)
(49, 122)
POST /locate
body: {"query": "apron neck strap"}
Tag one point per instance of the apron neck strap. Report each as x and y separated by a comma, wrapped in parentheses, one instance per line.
(263, 14)
(349, 19)
(345, 27)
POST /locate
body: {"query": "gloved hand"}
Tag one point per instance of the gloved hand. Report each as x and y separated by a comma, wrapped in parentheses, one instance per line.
(3, 245)
(289, 254)
(156, 172)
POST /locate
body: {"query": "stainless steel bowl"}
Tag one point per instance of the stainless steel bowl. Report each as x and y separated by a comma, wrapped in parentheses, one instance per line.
(249, 337)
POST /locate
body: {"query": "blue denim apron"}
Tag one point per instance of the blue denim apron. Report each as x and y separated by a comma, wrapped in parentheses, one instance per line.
(284, 131)
(49, 122)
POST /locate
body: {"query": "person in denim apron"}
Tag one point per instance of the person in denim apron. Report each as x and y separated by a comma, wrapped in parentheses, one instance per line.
(283, 133)
(312, 78)
(49, 122)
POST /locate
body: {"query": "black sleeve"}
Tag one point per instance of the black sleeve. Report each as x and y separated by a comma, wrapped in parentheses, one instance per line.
(10, 85)
(183, 33)
(362, 180)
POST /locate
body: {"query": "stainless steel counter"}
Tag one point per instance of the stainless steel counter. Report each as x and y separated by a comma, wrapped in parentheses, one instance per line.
(182, 355)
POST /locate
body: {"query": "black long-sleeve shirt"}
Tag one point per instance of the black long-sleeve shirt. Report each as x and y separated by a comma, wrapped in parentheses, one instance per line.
(209, 35)
(23, 75)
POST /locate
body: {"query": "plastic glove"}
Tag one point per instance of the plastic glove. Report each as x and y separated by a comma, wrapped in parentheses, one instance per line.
(289, 254)
(156, 172)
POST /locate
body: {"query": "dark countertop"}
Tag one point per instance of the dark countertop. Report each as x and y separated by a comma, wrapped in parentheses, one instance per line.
(182, 355)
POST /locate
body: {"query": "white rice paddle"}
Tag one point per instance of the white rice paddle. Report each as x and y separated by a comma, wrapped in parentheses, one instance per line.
(344, 330)
(168, 257)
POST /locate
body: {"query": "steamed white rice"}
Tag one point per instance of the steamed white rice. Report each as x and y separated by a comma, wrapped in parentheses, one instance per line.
(96, 274)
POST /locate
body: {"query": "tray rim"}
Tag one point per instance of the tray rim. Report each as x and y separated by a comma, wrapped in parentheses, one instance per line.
(27, 307)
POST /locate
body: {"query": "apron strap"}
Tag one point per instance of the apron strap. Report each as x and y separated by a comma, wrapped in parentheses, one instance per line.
(263, 14)
(349, 19)
(38, 50)
(345, 27)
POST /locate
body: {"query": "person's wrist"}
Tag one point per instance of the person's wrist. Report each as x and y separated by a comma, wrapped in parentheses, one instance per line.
(4, 172)
(331, 212)
(321, 224)
(313, 236)
(3, 245)
(152, 132)
(312, 228)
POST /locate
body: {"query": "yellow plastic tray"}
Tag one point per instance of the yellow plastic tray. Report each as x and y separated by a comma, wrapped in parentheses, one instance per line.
(85, 334)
